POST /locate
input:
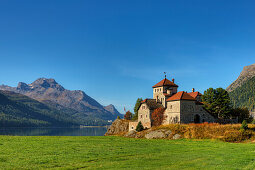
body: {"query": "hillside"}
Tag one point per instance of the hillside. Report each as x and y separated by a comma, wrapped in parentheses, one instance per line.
(49, 92)
(242, 90)
(244, 95)
(18, 110)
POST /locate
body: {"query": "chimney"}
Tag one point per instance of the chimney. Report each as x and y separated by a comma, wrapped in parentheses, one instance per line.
(173, 80)
(193, 90)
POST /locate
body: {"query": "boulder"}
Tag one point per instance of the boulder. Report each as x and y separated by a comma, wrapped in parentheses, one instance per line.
(118, 127)
(177, 136)
(157, 134)
(131, 134)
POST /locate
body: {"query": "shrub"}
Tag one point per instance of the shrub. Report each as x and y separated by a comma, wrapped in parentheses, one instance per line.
(118, 117)
(139, 127)
(128, 115)
(157, 116)
(253, 122)
(244, 125)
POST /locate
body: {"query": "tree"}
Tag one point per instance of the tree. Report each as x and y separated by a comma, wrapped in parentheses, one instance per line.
(137, 104)
(157, 116)
(128, 115)
(217, 102)
(139, 127)
(242, 113)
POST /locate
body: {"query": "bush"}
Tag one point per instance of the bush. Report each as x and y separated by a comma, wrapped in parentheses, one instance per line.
(157, 116)
(244, 125)
(118, 117)
(128, 115)
(139, 127)
(253, 122)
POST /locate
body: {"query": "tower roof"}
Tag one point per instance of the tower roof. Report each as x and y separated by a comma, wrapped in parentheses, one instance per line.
(181, 96)
(165, 82)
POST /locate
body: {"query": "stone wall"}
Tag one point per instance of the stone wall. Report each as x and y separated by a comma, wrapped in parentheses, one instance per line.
(132, 125)
(144, 114)
(190, 110)
(172, 113)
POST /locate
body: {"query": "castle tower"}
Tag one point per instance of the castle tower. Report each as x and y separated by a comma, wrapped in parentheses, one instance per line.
(163, 90)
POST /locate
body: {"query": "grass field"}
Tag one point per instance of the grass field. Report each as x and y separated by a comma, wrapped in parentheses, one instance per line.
(117, 152)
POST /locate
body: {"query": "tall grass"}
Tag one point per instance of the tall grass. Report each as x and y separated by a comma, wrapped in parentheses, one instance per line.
(227, 132)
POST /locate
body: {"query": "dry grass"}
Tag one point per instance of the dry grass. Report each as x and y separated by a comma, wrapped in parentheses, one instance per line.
(228, 132)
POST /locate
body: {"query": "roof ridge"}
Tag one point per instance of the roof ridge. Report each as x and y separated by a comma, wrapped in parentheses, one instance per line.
(182, 94)
(164, 81)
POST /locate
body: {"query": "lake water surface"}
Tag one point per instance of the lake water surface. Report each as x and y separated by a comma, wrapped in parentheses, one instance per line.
(85, 131)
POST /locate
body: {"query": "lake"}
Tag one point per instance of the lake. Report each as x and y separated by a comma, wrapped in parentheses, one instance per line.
(42, 131)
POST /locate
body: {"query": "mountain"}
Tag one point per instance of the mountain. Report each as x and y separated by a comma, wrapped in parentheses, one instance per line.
(113, 110)
(242, 90)
(49, 92)
(247, 73)
(17, 110)
(244, 95)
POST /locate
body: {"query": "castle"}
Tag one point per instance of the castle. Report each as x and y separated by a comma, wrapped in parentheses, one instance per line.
(180, 107)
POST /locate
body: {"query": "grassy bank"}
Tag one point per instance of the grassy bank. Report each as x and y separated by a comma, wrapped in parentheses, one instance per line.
(118, 152)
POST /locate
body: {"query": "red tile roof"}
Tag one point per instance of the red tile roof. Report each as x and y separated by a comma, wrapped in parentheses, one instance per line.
(165, 82)
(181, 96)
(195, 94)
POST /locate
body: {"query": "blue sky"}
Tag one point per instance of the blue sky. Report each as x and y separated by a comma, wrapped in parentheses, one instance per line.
(116, 51)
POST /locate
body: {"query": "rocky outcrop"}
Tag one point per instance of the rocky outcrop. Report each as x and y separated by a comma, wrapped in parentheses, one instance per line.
(177, 136)
(118, 127)
(158, 134)
(131, 134)
(247, 73)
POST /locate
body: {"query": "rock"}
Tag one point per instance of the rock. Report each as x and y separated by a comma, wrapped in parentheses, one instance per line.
(131, 134)
(177, 136)
(168, 132)
(118, 127)
(158, 134)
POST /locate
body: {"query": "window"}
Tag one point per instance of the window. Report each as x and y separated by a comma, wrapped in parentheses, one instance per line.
(132, 127)
(141, 116)
(171, 106)
(146, 116)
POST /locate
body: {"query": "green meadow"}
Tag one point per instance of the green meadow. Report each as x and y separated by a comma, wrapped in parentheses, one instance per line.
(110, 152)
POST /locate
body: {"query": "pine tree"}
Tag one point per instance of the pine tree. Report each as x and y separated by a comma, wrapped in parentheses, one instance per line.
(139, 127)
(137, 104)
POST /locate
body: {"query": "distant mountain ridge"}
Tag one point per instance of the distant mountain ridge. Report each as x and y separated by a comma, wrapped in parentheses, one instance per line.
(247, 73)
(112, 109)
(49, 92)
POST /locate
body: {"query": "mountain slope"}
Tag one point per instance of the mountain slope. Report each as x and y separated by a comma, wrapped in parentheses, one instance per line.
(247, 73)
(244, 95)
(18, 110)
(113, 110)
(49, 92)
